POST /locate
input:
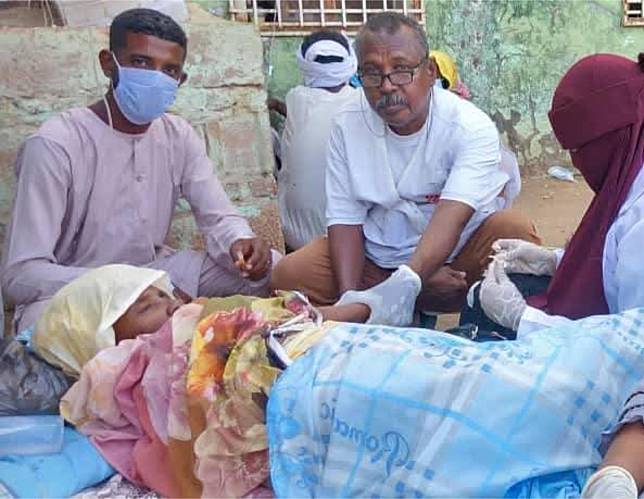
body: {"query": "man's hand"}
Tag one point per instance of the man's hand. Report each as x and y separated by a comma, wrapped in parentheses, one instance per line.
(447, 282)
(252, 257)
(523, 257)
(446, 287)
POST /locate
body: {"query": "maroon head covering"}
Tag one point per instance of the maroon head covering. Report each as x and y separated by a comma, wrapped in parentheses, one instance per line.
(597, 113)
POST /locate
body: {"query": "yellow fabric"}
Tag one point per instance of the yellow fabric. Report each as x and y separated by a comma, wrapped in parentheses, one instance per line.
(77, 324)
(298, 344)
(237, 351)
(446, 67)
(228, 379)
(213, 383)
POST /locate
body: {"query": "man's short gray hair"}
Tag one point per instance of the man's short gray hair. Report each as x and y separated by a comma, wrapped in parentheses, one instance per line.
(391, 22)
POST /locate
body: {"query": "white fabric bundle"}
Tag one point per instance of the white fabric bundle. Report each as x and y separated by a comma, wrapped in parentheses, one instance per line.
(331, 74)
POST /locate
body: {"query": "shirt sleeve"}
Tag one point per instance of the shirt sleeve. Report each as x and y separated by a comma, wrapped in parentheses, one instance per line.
(476, 178)
(534, 320)
(30, 270)
(217, 219)
(286, 139)
(342, 207)
(629, 266)
(559, 254)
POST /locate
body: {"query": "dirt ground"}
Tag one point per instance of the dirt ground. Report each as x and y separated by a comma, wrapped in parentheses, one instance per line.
(555, 206)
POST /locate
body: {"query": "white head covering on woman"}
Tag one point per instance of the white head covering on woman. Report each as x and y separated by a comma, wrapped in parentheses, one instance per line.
(327, 74)
(78, 322)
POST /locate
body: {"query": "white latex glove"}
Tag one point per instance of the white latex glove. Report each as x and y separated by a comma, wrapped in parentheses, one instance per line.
(500, 299)
(523, 257)
(392, 301)
(612, 482)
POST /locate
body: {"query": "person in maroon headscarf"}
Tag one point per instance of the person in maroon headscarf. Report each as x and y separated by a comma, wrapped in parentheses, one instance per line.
(597, 114)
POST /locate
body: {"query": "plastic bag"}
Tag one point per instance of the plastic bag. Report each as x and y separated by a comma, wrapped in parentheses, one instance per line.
(28, 384)
(32, 434)
(562, 173)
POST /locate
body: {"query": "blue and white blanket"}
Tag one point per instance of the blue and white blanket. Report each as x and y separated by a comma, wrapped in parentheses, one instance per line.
(384, 412)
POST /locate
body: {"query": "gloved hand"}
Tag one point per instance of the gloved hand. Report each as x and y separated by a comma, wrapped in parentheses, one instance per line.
(500, 299)
(612, 481)
(392, 301)
(523, 257)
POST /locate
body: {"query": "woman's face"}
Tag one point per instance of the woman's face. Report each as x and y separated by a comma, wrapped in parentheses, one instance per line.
(595, 159)
(146, 315)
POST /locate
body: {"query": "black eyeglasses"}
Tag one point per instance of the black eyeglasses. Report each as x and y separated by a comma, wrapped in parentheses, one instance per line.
(401, 77)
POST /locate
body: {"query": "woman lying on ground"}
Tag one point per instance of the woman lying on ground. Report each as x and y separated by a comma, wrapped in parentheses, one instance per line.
(182, 410)
(598, 116)
(113, 303)
(173, 394)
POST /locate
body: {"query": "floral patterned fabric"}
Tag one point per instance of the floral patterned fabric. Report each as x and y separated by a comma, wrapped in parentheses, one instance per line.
(182, 411)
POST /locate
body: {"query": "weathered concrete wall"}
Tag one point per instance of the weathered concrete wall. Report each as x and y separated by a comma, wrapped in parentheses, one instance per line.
(48, 70)
(511, 53)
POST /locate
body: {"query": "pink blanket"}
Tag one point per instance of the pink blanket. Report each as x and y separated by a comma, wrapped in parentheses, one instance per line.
(181, 411)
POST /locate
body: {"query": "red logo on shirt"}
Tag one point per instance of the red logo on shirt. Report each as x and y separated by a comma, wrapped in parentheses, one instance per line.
(432, 198)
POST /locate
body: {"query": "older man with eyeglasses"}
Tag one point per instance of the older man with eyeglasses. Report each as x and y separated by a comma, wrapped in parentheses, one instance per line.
(413, 189)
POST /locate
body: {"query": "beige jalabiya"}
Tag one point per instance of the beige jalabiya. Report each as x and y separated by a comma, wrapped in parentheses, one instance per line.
(88, 195)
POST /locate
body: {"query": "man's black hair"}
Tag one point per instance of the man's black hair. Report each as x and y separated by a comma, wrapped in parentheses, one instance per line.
(391, 22)
(146, 21)
(325, 34)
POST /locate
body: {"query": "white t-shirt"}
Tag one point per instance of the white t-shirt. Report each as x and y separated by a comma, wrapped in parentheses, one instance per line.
(390, 184)
(622, 264)
(300, 182)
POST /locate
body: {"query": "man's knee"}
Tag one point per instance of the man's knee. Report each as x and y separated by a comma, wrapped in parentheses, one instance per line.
(285, 273)
(294, 269)
(511, 224)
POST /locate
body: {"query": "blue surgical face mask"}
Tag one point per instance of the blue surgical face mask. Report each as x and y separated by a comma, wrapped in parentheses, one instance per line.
(143, 94)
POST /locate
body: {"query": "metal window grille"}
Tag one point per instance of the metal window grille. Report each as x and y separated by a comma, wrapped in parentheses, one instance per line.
(300, 17)
(633, 13)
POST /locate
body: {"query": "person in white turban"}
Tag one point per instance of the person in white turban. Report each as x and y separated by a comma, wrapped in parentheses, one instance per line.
(327, 62)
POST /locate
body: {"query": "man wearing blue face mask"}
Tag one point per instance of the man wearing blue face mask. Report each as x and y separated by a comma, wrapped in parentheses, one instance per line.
(99, 185)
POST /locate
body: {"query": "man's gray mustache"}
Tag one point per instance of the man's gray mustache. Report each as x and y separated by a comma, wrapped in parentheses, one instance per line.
(390, 100)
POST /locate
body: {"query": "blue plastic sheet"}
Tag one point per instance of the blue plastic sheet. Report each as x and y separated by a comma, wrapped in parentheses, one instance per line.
(78, 466)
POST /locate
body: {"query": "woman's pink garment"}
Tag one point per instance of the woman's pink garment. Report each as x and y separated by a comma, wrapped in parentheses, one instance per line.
(598, 115)
(133, 401)
(124, 401)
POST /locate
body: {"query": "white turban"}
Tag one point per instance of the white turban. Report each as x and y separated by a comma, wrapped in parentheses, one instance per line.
(331, 74)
